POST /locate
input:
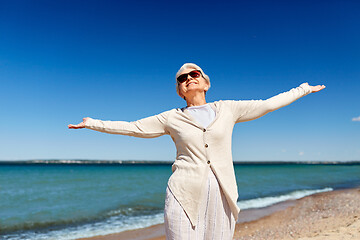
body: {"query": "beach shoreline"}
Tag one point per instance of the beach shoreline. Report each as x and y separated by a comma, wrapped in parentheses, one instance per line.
(326, 215)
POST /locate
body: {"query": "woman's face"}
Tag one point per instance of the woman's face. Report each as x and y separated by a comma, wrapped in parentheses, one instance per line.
(192, 85)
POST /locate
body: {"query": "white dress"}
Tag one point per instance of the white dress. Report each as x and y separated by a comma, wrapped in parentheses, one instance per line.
(215, 219)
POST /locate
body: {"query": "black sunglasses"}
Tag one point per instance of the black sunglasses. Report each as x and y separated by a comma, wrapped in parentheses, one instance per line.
(183, 77)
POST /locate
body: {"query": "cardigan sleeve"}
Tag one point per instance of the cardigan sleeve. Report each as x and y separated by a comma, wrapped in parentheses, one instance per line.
(253, 109)
(150, 127)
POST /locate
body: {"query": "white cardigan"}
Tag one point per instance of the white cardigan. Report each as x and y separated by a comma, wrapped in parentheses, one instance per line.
(198, 148)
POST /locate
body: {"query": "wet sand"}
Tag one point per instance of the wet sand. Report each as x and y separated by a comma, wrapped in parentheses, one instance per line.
(329, 215)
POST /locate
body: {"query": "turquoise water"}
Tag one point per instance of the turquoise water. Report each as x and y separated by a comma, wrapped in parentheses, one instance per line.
(72, 201)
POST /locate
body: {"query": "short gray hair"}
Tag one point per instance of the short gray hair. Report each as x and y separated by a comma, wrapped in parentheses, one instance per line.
(190, 66)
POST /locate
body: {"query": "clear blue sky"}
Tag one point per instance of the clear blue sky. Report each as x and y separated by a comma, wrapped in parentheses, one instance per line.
(61, 61)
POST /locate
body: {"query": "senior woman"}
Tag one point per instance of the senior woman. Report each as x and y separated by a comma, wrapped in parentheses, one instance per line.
(201, 194)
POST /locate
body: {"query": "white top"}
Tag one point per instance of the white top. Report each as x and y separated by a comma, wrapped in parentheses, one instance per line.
(203, 114)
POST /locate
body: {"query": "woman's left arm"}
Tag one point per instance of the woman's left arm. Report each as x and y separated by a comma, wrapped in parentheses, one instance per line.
(253, 109)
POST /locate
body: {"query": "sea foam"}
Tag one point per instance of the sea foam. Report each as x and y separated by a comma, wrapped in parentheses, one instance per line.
(267, 201)
(111, 225)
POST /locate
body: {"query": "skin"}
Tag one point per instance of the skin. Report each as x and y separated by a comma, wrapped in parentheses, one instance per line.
(193, 89)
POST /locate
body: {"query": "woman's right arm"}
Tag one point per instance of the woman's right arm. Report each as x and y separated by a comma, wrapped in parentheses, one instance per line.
(149, 127)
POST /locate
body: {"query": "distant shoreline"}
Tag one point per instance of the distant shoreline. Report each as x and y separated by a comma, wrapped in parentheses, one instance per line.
(149, 162)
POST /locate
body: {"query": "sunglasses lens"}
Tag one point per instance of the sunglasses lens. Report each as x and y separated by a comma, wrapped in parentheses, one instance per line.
(182, 78)
(194, 74)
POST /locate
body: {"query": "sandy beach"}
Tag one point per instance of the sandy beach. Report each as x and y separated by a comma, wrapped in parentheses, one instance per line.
(330, 215)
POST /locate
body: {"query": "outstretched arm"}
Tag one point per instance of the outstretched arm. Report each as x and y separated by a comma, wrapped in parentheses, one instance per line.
(253, 109)
(150, 127)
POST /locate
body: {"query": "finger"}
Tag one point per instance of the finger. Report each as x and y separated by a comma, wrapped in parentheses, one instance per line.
(72, 126)
(318, 88)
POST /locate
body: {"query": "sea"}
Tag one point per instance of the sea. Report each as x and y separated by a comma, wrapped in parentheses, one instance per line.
(71, 201)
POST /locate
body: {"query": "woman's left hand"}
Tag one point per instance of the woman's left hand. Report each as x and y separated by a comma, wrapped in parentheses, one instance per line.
(317, 88)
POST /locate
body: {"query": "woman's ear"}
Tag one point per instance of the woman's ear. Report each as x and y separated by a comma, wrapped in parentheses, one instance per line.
(180, 92)
(207, 87)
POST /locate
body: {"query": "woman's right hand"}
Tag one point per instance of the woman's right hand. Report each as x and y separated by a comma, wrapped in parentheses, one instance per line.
(78, 126)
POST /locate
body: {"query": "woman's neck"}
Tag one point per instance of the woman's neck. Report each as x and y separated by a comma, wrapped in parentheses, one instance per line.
(196, 100)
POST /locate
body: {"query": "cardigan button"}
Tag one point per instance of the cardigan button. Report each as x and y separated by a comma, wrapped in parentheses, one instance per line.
(206, 145)
(208, 162)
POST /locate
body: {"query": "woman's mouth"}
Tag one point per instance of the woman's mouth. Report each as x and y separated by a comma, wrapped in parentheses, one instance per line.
(190, 83)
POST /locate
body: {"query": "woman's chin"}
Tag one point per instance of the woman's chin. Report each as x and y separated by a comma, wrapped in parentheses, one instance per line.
(194, 88)
(193, 92)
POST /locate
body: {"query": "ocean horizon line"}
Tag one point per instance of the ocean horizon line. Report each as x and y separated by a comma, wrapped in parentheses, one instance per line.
(162, 162)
